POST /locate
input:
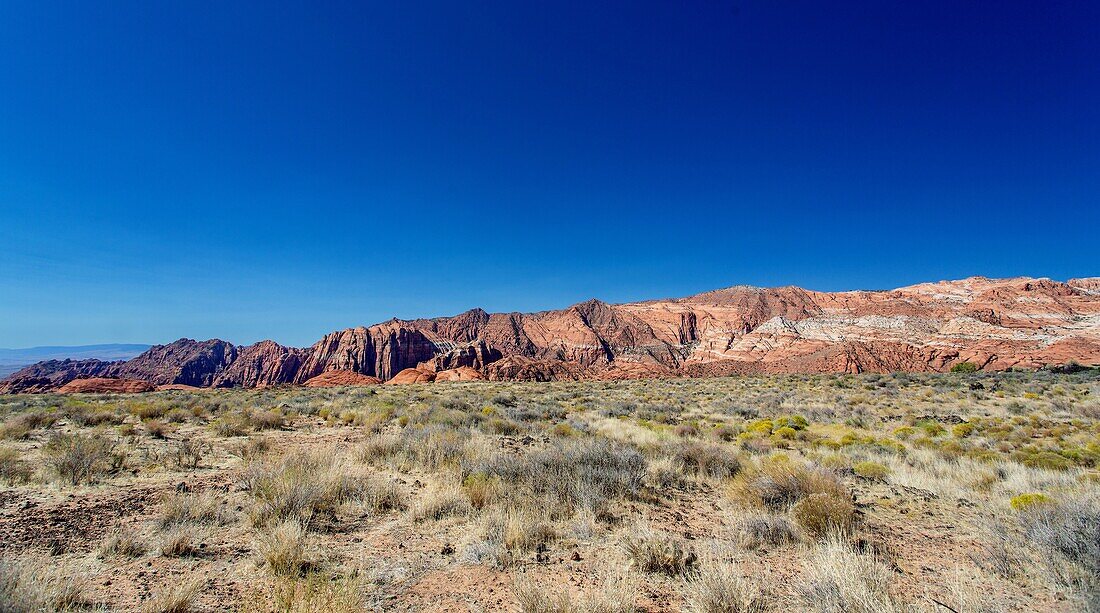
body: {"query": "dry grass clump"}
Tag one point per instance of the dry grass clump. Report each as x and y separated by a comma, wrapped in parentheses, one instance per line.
(32, 583)
(824, 512)
(231, 424)
(1067, 533)
(758, 531)
(780, 483)
(186, 508)
(719, 587)
(840, 580)
(616, 594)
(482, 489)
(20, 426)
(13, 470)
(122, 542)
(283, 548)
(298, 486)
(575, 474)
(527, 530)
(707, 459)
(379, 448)
(180, 541)
(313, 593)
(658, 552)
(439, 501)
(82, 458)
(176, 597)
(380, 494)
(265, 420)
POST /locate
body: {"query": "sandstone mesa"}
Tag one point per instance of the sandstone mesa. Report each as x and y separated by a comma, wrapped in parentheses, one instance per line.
(994, 323)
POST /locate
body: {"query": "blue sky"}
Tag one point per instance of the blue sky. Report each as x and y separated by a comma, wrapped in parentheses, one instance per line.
(280, 170)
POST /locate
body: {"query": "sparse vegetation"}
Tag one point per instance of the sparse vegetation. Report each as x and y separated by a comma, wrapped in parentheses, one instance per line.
(739, 494)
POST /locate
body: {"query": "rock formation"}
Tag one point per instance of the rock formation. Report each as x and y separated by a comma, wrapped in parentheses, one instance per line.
(100, 385)
(462, 373)
(994, 323)
(412, 375)
(339, 378)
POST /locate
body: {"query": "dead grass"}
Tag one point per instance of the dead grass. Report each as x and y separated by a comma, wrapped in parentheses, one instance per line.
(299, 485)
(34, 582)
(314, 593)
(840, 580)
(123, 542)
(721, 587)
(176, 597)
(283, 548)
(653, 551)
(83, 458)
(440, 501)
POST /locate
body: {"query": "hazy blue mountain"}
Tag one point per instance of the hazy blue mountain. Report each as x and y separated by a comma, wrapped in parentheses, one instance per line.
(12, 360)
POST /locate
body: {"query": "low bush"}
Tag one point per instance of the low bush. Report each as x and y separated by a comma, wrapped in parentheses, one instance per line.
(658, 552)
(872, 471)
(707, 459)
(299, 485)
(1068, 533)
(758, 531)
(482, 489)
(20, 426)
(13, 469)
(779, 484)
(575, 474)
(82, 458)
(1029, 502)
(822, 513)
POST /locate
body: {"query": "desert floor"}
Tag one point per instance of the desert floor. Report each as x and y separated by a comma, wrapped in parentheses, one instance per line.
(955, 492)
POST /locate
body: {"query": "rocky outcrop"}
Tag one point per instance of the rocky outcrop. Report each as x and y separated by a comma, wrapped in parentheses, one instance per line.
(100, 385)
(187, 362)
(265, 363)
(341, 378)
(994, 323)
(412, 375)
(52, 374)
(462, 373)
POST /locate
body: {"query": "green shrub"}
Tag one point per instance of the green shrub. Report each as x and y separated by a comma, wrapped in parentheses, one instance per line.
(964, 367)
(1025, 502)
(963, 430)
(871, 470)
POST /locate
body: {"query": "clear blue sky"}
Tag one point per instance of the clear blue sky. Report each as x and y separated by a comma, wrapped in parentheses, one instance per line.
(280, 170)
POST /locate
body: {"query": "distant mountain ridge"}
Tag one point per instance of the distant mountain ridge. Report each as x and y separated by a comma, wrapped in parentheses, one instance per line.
(12, 360)
(994, 323)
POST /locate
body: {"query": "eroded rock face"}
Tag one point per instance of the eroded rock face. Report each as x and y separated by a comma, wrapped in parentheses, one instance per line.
(995, 323)
(340, 378)
(100, 385)
(187, 362)
(265, 363)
